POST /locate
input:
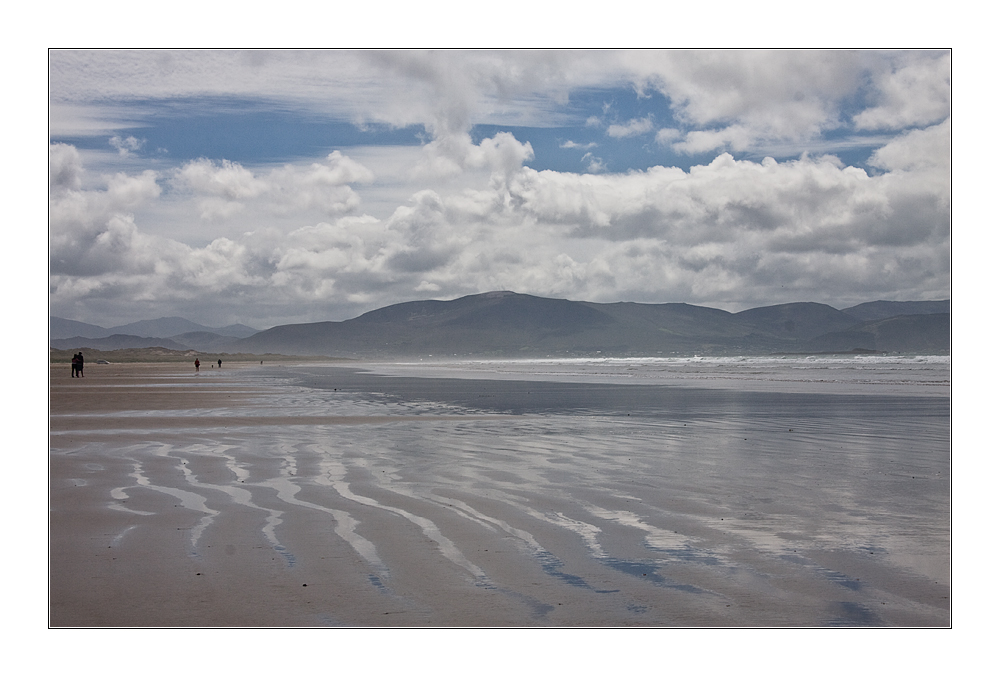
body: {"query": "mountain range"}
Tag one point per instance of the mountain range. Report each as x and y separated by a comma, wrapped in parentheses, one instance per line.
(507, 324)
(161, 328)
(174, 333)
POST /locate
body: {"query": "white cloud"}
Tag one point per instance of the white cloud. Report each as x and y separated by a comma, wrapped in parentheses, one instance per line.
(768, 96)
(634, 127)
(765, 95)
(919, 149)
(426, 286)
(91, 232)
(128, 192)
(729, 227)
(718, 234)
(445, 91)
(126, 146)
(65, 167)
(224, 189)
(454, 153)
(736, 137)
(667, 135)
(911, 90)
(317, 240)
(595, 165)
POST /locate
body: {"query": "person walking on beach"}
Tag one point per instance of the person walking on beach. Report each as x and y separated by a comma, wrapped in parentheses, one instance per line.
(220, 364)
(197, 363)
(76, 364)
(79, 364)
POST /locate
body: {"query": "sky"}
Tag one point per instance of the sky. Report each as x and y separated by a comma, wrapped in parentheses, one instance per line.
(276, 187)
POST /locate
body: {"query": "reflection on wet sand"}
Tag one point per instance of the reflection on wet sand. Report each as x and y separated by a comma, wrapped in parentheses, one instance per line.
(548, 503)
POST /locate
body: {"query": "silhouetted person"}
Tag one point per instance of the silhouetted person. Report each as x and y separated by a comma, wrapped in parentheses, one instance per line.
(220, 364)
(197, 364)
(79, 364)
(75, 362)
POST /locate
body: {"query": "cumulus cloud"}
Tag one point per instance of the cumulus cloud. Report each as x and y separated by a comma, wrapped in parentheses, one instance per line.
(225, 188)
(94, 231)
(324, 260)
(228, 180)
(764, 95)
(667, 135)
(595, 165)
(65, 167)
(126, 146)
(919, 149)
(808, 205)
(915, 90)
(101, 257)
(634, 127)
(743, 100)
(298, 242)
(730, 226)
(706, 235)
(452, 154)
(736, 137)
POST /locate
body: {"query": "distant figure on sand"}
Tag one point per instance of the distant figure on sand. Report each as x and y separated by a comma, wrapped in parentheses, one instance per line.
(197, 363)
(76, 364)
(220, 364)
(79, 364)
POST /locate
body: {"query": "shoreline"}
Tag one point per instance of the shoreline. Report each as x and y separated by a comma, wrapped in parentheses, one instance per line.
(322, 495)
(896, 376)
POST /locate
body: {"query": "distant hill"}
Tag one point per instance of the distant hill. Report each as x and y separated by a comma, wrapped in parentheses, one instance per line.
(880, 310)
(115, 342)
(797, 320)
(165, 327)
(923, 333)
(204, 341)
(235, 330)
(506, 324)
(511, 325)
(60, 329)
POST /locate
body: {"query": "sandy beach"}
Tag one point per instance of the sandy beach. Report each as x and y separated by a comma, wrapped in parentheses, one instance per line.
(331, 496)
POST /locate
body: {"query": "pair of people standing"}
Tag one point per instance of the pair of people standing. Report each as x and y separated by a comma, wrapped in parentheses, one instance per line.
(77, 363)
(197, 364)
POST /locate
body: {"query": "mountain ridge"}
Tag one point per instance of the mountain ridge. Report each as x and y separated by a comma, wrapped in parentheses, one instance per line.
(509, 324)
(164, 327)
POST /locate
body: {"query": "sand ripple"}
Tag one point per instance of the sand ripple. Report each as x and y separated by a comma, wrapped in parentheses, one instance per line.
(720, 511)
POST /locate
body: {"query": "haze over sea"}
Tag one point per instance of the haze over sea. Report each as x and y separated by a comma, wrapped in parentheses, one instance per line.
(858, 374)
(787, 491)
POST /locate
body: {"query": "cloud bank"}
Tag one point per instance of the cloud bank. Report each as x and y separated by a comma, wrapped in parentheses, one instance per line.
(221, 241)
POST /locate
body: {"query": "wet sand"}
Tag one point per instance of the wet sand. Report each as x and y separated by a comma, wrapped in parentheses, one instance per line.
(254, 496)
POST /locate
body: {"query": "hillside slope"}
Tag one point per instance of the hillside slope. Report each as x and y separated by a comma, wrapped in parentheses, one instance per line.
(506, 324)
(881, 310)
(922, 333)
